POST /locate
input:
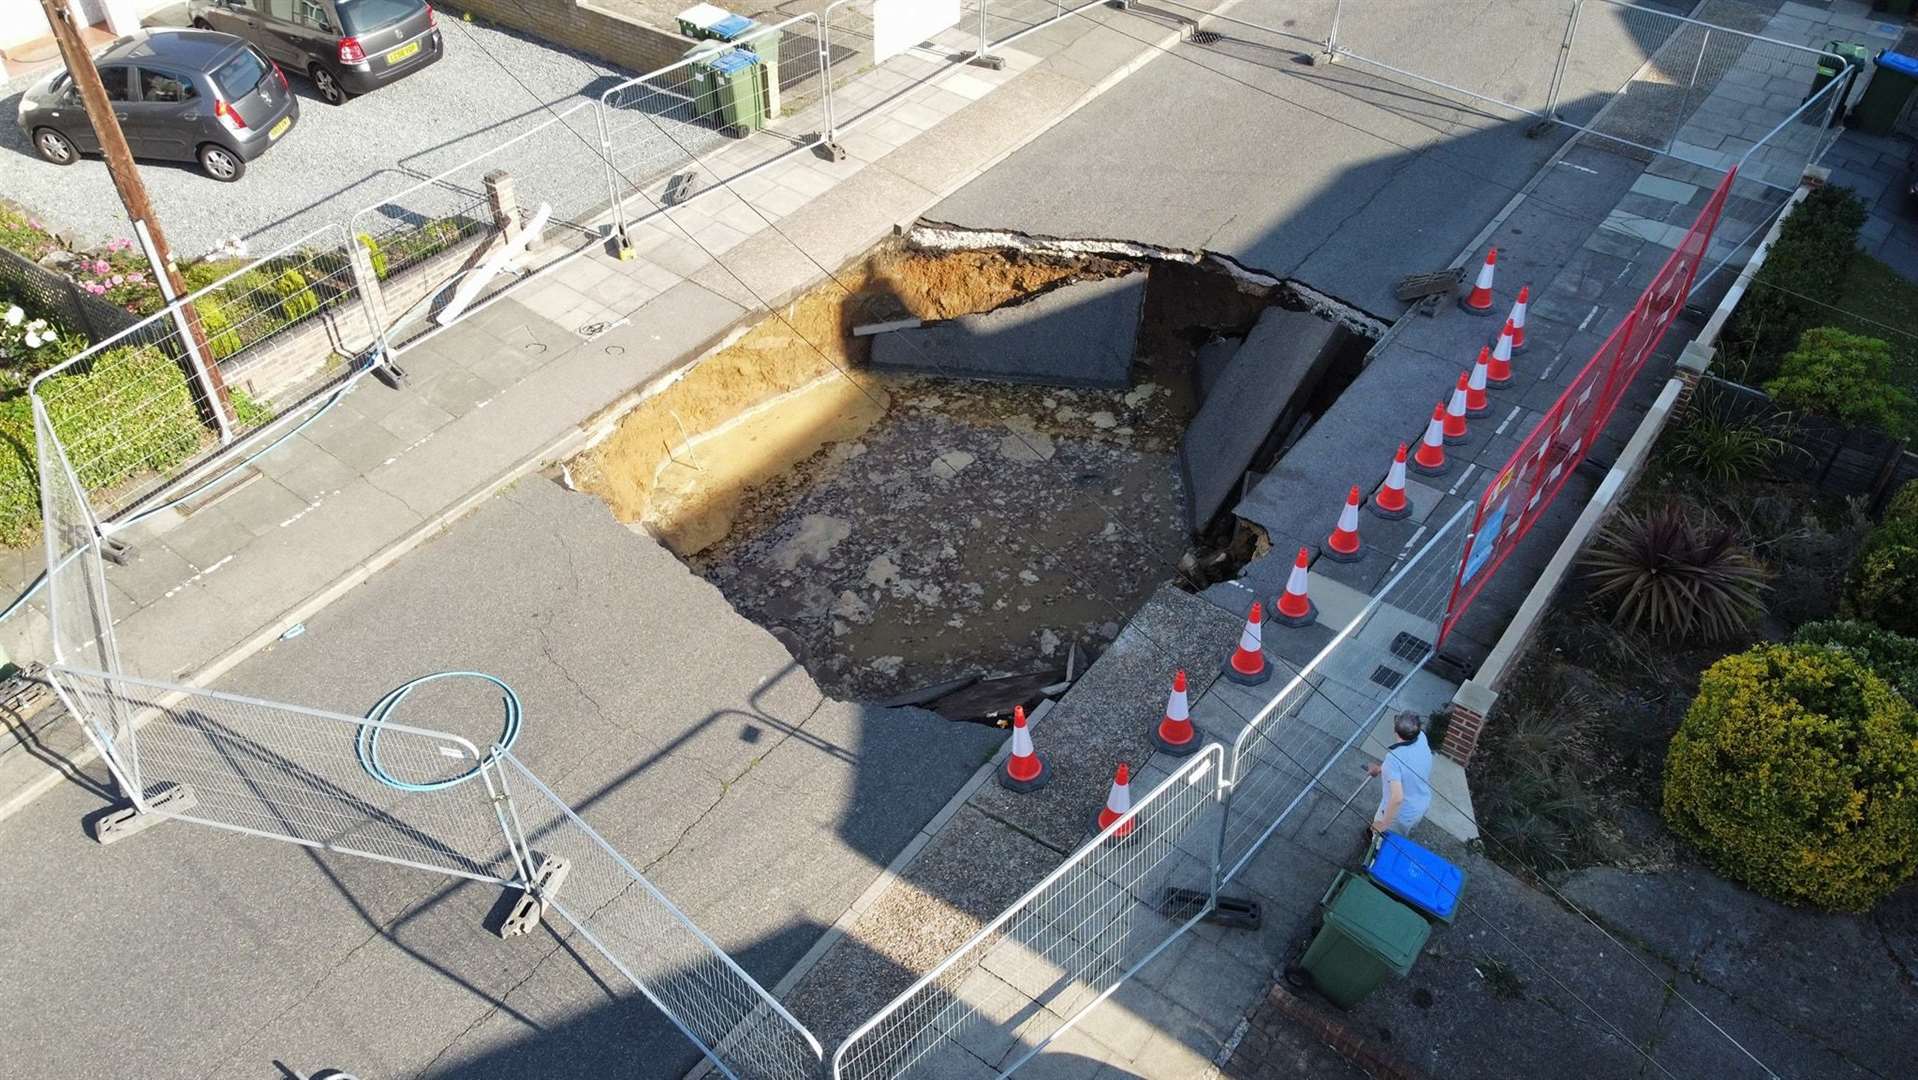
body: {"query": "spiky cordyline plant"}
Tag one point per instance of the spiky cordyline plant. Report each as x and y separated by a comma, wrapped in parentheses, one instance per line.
(1676, 573)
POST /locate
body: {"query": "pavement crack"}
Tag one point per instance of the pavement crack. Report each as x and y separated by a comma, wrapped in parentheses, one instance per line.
(546, 650)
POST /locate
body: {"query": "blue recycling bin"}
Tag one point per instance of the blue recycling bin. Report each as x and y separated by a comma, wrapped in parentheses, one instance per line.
(1416, 877)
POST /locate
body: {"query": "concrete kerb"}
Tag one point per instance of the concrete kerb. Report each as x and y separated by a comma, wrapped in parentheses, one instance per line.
(1479, 694)
(567, 445)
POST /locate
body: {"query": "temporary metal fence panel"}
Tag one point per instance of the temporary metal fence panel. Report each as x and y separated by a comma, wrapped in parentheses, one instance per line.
(79, 615)
(1285, 750)
(286, 772)
(1082, 931)
(135, 412)
(1524, 489)
(740, 1027)
(719, 114)
(433, 244)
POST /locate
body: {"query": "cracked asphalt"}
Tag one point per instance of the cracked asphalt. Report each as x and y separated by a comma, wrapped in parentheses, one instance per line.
(689, 740)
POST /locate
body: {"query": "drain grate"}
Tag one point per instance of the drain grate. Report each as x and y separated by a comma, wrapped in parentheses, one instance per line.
(1387, 677)
(1410, 647)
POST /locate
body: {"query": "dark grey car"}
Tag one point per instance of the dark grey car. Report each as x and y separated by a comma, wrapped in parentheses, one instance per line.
(180, 95)
(345, 46)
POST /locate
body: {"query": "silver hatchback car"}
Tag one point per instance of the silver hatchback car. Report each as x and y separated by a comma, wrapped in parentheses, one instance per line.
(180, 95)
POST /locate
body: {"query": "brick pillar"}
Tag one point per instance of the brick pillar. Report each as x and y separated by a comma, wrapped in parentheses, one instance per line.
(1466, 720)
(1692, 364)
(504, 204)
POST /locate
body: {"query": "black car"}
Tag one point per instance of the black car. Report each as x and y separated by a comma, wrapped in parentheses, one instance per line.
(345, 46)
(184, 95)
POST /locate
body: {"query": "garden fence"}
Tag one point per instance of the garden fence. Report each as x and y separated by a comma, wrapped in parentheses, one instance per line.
(1127, 894)
(1524, 488)
(61, 299)
(1849, 462)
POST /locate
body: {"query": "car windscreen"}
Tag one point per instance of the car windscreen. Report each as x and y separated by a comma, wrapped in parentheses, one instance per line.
(365, 16)
(239, 75)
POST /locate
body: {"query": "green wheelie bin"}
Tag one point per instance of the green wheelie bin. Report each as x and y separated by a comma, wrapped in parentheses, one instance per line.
(1893, 77)
(1365, 938)
(728, 93)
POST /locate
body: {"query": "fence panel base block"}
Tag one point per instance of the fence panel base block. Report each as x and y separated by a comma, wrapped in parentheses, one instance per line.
(531, 905)
(127, 819)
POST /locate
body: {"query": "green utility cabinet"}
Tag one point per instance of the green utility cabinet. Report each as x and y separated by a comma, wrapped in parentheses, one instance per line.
(728, 93)
(1894, 76)
(1366, 937)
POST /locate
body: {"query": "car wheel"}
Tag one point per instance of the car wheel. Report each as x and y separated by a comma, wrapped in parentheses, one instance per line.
(220, 163)
(201, 24)
(326, 85)
(55, 147)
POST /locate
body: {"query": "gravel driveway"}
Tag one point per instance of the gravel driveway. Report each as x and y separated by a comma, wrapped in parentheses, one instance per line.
(492, 85)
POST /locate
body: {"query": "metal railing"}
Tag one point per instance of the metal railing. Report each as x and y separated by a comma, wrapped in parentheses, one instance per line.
(148, 411)
(1091, 924)
(1118, 901)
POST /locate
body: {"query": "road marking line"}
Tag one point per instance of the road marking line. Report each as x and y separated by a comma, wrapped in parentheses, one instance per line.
(1509, 417)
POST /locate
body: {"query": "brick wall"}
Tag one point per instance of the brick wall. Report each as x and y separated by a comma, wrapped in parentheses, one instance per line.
(616, 39)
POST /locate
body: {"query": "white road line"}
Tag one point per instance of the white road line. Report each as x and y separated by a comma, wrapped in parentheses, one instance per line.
(1509, 417)
(1589, 316)
(1462, 478)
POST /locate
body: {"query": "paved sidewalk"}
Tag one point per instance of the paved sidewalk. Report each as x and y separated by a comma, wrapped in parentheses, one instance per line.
(516, 385)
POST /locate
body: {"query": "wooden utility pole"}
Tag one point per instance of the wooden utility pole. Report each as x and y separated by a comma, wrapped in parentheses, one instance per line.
(211, 392)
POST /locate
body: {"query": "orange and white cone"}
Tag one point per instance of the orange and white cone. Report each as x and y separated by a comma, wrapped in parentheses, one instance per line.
(1499, 371)
(1430, 458)
(1246, 666)
(1476, 403)
(1343, 545)
(1389, 501)
(1518, 317)
(1294, 607)
(1117, 803)
(1176, 734)
(1454, 428)
(1025, 770)
(1479, 300)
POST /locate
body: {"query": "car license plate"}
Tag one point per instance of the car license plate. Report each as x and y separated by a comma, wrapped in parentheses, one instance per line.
(402, 53)
(279, 129)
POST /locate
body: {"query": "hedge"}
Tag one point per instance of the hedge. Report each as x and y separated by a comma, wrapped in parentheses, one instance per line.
(1882, 585)
(1891, 656)
(1794, 772)
(107, 440)
(1800, 277)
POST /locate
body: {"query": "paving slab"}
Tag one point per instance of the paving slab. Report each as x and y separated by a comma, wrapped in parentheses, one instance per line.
(1080, 334)
(1266, 381)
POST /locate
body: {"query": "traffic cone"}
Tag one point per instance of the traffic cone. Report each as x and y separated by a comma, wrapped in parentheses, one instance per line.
(1246, 666)
(1343, 545)
(1518, 318)
(1175, 734)
(1389, 501)
(1479, 300)
(1294, 607)
(1499, 371)
(1430, 457)
(1025, 770)
(1454, 426)
(1476, 403)
(1117, 803)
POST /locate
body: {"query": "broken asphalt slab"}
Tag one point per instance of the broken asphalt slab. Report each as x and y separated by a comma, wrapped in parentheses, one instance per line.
(1079, 335)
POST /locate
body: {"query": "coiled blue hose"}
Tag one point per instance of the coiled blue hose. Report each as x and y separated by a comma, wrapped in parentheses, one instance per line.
(368, 744)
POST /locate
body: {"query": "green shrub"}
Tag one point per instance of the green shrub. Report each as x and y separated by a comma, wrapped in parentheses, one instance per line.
(1882, 586)
(296, 297)
(1720, 447)
(1891, 656)
(1904, 505)
(1794, 773)
(1843, 377)
(1676, 573)
(221, 338)
(1800, 276)
(374, 255)
(247, 413)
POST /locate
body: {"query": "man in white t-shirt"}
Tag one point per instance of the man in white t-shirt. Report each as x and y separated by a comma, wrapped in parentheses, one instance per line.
(1407, 772)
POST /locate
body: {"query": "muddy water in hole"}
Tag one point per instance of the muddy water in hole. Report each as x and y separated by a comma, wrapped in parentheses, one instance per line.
(905, 530)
